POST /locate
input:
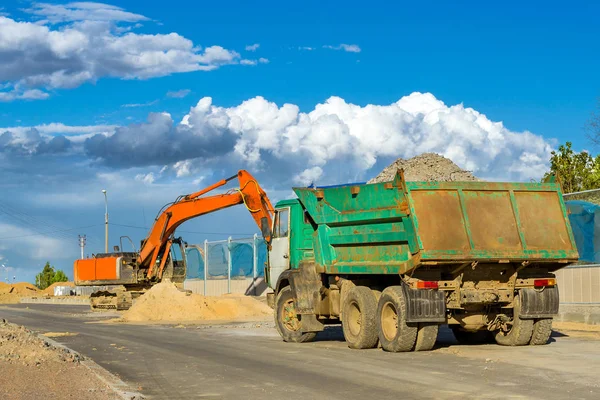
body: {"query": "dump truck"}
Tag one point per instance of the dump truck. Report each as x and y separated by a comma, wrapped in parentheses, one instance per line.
(128, 275)
(393, 261)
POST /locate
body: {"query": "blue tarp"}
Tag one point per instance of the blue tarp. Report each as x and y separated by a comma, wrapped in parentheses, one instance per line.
(585, 222)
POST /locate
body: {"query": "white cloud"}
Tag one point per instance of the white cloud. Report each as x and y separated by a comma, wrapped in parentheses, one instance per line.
(308, 176)
(83, 11)
(350, 48)
(57, 128)
(183, 168)
(261, 60)
(91, 43)
(252, 47)
(135, 105)
(307, 48)
(145, 178)
(178, 94)
(15, 94)
(345, 141)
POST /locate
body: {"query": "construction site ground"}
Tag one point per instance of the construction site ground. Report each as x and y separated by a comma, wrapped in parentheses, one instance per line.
(248, 360)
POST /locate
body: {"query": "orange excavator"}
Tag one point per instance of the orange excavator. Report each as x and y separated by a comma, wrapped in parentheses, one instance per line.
(162, 255)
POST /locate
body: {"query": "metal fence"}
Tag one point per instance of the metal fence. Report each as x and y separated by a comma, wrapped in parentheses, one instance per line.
(226, 266)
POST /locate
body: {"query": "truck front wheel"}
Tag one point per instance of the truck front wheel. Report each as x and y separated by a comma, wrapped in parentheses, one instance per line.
(359, 322)
(395, 334)
(287, 321)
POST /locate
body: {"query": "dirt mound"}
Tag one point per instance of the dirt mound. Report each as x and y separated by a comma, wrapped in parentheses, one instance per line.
(49, 291)
(164, 302)
(425, 167)
(21, 288)
(19, 344)
(10, 294)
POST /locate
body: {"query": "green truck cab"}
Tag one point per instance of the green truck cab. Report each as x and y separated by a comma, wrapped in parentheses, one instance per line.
(392, 261)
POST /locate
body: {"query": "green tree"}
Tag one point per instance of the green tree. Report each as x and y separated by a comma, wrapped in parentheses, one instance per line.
(575, 171)
(48, 276)
(60, 276)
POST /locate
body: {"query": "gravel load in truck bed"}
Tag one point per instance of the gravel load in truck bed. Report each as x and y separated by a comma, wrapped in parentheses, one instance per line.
(425, 167)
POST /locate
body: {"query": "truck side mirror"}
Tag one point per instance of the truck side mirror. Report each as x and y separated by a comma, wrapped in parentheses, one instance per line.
(265, 229)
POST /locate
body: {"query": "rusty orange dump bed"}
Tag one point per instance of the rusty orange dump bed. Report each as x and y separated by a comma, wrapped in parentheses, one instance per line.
(486, 220)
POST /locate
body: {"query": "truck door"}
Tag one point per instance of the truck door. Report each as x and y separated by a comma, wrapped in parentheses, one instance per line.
(279, 255)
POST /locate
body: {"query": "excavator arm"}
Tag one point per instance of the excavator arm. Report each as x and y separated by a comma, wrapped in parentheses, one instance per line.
(196, 204)
(139, 270)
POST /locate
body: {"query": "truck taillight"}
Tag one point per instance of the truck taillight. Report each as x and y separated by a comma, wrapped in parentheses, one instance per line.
(544, 282)
(427, 285)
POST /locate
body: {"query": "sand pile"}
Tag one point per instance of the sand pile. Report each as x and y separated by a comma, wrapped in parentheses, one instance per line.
(10, 294)
(19, 344)
(164, 302)
(425, 167)
(49, 291)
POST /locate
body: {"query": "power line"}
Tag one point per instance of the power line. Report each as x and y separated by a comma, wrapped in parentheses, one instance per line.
(51, 232)
(200, 233)
(34, 223)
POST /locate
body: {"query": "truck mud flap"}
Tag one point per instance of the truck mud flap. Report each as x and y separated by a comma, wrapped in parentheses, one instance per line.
(539, 303)
(425, 305)
(305, 283)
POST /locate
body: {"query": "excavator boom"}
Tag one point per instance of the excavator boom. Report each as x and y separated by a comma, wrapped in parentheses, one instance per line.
(194, 205)
(138, 271)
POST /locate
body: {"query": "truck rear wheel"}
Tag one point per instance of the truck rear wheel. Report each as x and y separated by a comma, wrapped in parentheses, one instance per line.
(287, 321)
(395, 334)
(426, 336)
(542, 329)
(519, 333)
(359, 321)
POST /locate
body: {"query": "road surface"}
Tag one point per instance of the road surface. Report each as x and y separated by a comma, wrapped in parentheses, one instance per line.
(251, 362)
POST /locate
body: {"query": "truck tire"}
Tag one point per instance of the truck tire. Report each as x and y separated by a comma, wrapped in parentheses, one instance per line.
(469, 337)
(360, 323)
(521, 331)
(395, 334)
(426, 336)
(542, 329)
(287, 321)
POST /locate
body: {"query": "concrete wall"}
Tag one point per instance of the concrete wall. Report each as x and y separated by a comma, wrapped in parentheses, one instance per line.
(579, 288)
(217, 287)
(579, 284)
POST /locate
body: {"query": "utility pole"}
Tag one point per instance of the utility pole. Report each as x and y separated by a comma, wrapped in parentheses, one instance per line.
(82, 244)
(105, 221)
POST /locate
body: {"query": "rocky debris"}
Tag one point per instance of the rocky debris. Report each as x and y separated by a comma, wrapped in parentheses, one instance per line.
(19, 344)
(164, 302)
(425, 167)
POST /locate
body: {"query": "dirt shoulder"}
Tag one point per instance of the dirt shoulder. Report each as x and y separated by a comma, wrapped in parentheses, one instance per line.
(33, 368)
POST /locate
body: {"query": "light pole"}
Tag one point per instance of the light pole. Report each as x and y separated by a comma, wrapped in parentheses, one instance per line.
(4, 266)
(105, 222)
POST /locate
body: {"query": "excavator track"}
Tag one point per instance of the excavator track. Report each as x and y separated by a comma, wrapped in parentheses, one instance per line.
(113, 300)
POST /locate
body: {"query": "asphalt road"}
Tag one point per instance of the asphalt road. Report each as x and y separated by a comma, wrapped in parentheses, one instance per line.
(245, 361)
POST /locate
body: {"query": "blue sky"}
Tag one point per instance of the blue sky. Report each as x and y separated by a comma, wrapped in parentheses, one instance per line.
(494, 87)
